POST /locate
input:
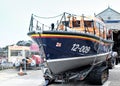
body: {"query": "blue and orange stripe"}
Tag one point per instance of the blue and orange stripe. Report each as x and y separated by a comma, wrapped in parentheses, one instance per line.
(66, 36)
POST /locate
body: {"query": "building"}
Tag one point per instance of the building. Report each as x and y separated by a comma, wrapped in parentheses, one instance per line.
(17, 52)
(112, 20)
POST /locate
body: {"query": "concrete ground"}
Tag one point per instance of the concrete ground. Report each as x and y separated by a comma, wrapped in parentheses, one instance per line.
(10, 77)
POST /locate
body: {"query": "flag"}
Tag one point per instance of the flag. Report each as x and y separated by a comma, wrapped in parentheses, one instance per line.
(58, 44)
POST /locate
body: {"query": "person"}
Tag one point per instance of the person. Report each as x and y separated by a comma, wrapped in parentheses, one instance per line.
(109, 35)
(52, 26)
(21, 64)
(115, 57)
(74, 23)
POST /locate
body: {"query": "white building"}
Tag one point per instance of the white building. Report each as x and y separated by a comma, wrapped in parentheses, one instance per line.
(111, 18)
(17, 52)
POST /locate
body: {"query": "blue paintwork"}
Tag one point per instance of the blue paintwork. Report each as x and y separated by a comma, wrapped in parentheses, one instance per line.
(70, 47)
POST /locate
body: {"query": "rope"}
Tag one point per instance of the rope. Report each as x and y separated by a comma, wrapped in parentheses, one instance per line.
(43, 52)
(48, 17)
(93, 64)
(54, 16)
(41, 23)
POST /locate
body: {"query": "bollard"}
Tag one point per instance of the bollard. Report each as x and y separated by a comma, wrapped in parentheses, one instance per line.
(21, 73)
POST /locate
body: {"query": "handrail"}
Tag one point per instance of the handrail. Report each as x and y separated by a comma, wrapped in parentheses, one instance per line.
(64, 24)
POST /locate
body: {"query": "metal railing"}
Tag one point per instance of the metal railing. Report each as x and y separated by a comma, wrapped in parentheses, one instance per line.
(63, 24)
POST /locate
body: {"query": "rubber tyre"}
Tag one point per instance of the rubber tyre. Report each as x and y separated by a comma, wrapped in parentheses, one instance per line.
(98, 76)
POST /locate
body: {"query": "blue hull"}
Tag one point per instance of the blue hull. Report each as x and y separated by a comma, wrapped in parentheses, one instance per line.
(64, 51)
(58, 47)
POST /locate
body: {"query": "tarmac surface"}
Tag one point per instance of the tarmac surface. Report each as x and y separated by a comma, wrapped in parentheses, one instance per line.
(10, 77)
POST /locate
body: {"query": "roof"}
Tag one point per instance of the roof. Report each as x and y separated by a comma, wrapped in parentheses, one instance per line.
(109, 14)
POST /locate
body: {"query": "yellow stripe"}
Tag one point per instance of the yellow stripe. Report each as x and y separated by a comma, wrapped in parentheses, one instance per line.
(57, 35)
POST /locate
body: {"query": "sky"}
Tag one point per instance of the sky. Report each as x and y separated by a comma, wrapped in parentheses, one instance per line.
(15, 14)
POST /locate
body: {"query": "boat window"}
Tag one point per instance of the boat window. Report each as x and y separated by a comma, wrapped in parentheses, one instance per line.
(76, 23)
(66, 23)
(97, 25)
(88, 23)
(101, 27)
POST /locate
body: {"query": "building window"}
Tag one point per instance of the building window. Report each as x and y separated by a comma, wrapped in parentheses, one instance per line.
(16, 52)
